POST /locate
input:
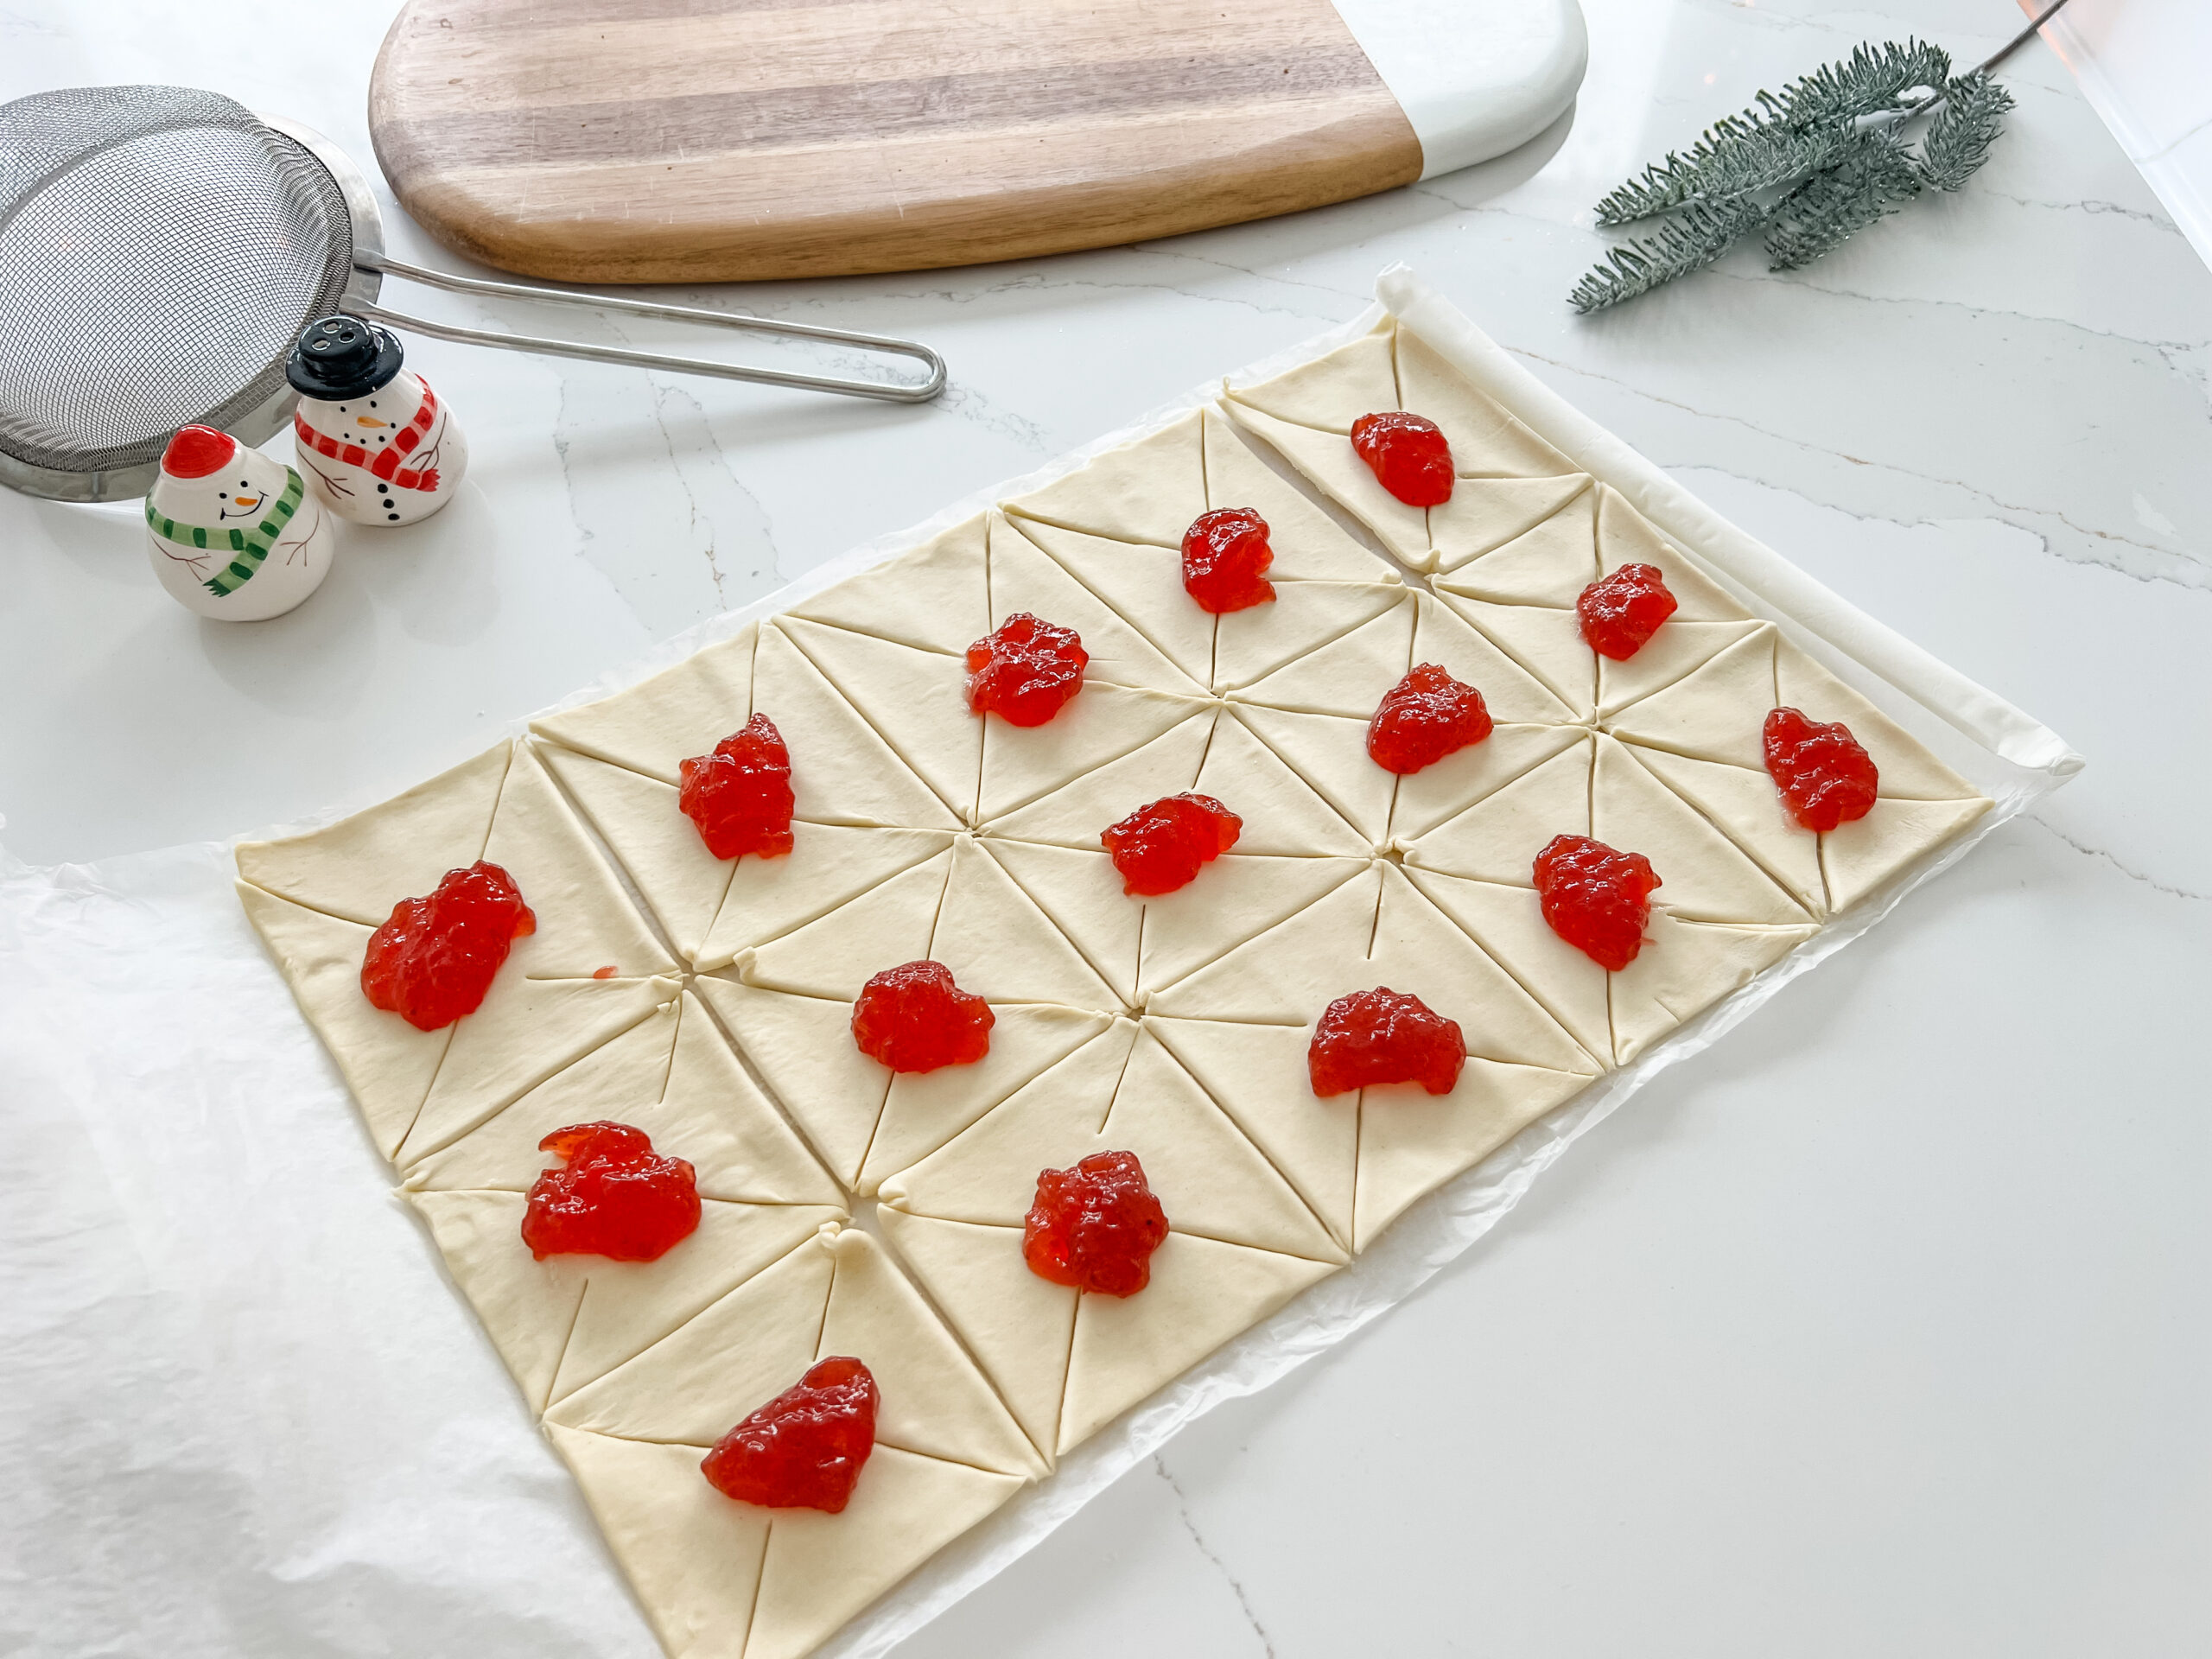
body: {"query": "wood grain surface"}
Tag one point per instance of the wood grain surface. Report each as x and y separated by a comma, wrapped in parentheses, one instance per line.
(651, 141)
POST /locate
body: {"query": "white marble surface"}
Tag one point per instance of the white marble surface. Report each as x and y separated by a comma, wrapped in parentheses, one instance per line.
(1877, 1330)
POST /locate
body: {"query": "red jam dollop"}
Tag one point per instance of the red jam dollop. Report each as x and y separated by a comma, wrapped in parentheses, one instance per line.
(1025, 670)
(914, 1018)
(1596, 899)
(432, 959)
(741, 795)
(1160, 848)
(1225, 560)
(805, 1448)
(1408, 455)
(1095, 1226)
(1825, 774)
(1424, 717)
(614, 1197)
(1621, 612)
(1383, 1036)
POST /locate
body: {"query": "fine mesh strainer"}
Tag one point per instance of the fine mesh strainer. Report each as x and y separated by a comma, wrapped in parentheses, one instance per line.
(161, 248)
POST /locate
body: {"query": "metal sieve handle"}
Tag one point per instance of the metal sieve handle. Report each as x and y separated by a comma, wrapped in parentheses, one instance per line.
(887, 391)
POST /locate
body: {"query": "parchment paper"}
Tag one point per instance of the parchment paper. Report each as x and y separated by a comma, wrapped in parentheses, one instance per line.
(243, 1413)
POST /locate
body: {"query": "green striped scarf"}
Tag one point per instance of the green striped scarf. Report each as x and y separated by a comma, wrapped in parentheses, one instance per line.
(251, 547)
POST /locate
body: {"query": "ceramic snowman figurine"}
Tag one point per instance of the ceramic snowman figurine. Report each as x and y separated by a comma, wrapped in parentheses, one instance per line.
(233, 534)
(378, 446)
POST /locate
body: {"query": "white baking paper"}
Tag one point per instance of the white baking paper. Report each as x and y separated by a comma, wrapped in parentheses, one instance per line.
(244, 1414)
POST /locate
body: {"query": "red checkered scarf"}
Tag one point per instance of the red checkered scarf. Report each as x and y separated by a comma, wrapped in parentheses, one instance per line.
(386, 465)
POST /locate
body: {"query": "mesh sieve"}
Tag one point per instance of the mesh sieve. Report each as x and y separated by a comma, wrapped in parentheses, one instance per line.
(160, 249)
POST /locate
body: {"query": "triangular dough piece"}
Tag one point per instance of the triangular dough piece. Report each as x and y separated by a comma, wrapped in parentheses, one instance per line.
(1329, 755)
(1714, 713)
(361, 866)
(1330, 463)
(1907, 770)
(1024, 577)
(1017, 1325)
(567, 1320)
(838, 952)
(585, 921)
(1001, 945)
(671, 1075)
(1684, 968)
(1301, 619)
(936, 598)
(1546, 641)
(388, 1064)
(1349, 675)
(1307, 544)
(1143, 585)
(1486, 440)
(680, 712)
(1747, 804)
(1509, 691)
(1435, 794)
(1411, 1141)
(1679, 648)
(842, 772)
(1334, 390)
(916, 699)
(1485, 514)
(1204, 1292)
(1376, 930)
(1078, 812)
(657, 846)
(924, 1110)
(1508, 922)
(1282, 813)
(1147, 490)
(828, 864)
(692, 1555)
(803, 1047)
(1705, 874)
(1498, 838)
(1138, 944)
(1626, 536)
(1549, 563)
(1858, 857)
(1100, 725)
(1122, 1091)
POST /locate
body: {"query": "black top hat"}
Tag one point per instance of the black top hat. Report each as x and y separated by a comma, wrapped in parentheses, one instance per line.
(342, 357)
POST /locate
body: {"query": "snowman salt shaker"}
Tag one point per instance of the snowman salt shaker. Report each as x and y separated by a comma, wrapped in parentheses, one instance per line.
(378, 447)
(232, 533)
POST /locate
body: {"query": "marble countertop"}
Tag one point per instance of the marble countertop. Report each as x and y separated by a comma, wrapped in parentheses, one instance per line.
(1877, 1329)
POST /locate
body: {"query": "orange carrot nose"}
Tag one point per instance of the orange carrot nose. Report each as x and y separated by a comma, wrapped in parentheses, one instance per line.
(249, 502)
(368, 420)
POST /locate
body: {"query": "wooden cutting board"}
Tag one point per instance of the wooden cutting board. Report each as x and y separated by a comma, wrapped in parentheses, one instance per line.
(655, 141)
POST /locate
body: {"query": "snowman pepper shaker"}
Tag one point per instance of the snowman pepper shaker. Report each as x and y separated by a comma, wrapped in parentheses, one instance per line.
(378, 447)
(232, 533)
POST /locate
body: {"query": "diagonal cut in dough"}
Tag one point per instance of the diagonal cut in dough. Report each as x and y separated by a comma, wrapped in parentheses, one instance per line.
(917, 700)
(1146, 490)
(935, 598)
(1101, 724)
(1348, 676)
(1487, 440)
(1251, 645)
(842, 770)
(1140, 583)
(1024, 577)
(679, 712)
(1328, 752)
(1549, 563)
(828, 865)
(1626, 536)
(1485, 515)
(1438, 794)
(657, 846)
(1308, 544)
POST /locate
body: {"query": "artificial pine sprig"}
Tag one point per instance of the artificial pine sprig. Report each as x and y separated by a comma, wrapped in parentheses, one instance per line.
(1810, 166)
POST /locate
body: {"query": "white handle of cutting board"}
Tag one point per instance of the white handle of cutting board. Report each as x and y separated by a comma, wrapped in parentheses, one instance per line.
(1476, 78)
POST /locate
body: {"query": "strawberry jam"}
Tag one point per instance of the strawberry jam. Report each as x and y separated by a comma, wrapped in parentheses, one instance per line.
(432, 959)
(1225, 560)
(1596, 899)
(1383, 1036)
(741, 795)
(1095, 1226)
(615, 1197)
(1622, 611)
(1160, 848)
(1025, 670)
(1825, 776)
(1408, 455)
(805, 1449)
(1424, 717)
(914, 1018)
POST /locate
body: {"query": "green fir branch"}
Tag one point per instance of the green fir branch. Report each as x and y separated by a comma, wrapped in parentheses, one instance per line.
(1871, 79)
(1864, 186)
(1699, 235)
(1958, 141)
(1733, 157)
